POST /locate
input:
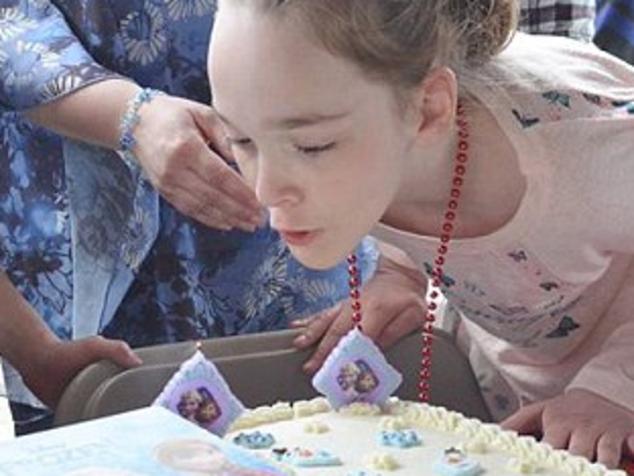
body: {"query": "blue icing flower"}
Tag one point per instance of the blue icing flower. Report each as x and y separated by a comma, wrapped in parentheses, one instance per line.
(302, 457)
(456, 463)
(361, 472)
(399, 438)
(255, 441)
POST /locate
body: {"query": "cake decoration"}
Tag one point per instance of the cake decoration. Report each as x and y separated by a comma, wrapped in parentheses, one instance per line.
(399, 438)
(255, 440)
(476, 445)
(394, 423)
(454, 462)
(279, 412)
(361, 409)
(303, 457)
(311, 407)
(362, 472)
(198, 393)
(316, 427)
(522, 466)
(383, 462)
(356, 371)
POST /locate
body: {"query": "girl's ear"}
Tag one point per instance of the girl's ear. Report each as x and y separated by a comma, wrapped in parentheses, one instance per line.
(436, 101)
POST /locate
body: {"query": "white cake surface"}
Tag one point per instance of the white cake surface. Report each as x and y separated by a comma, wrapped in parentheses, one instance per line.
(353, 433)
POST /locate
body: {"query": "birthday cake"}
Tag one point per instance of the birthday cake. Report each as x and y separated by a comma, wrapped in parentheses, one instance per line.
(357, 429)
(400, 438)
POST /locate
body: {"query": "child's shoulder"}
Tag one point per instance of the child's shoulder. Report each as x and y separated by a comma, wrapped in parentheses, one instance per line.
(536, 65)
(544, 80)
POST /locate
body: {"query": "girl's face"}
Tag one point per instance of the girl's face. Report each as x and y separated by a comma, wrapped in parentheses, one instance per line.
(323, 146)
(367, 383)
(207, 412)
(189, 403)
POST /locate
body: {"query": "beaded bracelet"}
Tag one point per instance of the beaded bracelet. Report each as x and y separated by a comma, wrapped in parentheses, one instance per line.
(130, 119)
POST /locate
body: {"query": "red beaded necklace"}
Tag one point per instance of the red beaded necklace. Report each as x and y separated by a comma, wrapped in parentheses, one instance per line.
(441, 253)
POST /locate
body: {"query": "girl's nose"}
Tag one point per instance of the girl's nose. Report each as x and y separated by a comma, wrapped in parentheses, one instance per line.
(275, 185)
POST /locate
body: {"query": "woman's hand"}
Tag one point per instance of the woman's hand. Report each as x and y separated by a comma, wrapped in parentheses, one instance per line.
(178, 144)
(392, 306)
(582, 422)
(45, 363)
(55, 363)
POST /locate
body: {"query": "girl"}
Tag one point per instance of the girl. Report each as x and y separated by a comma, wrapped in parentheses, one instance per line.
(432, 120)
(87, 246)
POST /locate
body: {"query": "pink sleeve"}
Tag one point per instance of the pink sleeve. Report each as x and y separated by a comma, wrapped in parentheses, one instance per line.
(611, 372)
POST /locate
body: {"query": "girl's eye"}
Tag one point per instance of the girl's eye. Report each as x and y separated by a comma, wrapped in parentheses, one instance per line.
(238, 142)
(315, 149)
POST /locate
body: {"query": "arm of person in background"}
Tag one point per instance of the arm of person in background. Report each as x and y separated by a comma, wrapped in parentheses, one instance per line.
(66, 91)
(45, 362)
(393, 306)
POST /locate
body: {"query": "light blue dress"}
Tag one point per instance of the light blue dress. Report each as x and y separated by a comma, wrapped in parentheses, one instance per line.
(86, 239)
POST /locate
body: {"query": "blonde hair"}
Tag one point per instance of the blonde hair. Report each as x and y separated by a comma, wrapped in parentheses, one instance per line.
(399, 41)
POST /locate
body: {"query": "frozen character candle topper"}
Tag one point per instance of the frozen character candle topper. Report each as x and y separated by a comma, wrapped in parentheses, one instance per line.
(356, 370)
(198, 393)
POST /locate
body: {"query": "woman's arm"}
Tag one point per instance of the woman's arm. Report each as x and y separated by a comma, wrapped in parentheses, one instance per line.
(91, 114)
(64, 89)
(22, 332)
(47, 73)
(41, 59)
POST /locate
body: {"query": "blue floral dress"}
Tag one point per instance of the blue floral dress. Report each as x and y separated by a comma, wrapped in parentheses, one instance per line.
(83, 236)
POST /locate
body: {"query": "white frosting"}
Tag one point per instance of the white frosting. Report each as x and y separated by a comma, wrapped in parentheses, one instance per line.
(316, 427)
(353, 437)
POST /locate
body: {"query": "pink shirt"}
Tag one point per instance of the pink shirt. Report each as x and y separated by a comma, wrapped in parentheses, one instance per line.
(548, 299)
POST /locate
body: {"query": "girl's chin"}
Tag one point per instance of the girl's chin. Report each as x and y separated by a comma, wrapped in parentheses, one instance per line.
(317, 259)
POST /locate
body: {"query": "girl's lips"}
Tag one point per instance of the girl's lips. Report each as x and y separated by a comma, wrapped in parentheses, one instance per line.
(298, 238)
